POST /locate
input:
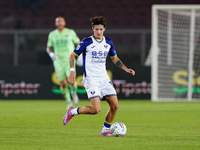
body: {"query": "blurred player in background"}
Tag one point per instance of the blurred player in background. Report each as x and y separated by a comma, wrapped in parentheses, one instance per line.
(61, 43)
(96, 81)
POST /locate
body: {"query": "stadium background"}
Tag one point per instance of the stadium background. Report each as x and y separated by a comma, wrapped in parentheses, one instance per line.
(26, 69)
(26, 72)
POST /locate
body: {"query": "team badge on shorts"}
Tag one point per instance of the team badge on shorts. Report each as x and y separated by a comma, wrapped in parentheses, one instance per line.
(92, 92)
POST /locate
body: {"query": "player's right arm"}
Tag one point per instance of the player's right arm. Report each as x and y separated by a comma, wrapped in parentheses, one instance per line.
(49, 48)
(72, 76)
(78, 50)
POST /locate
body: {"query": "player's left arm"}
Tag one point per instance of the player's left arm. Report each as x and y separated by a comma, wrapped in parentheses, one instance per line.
(120, 64)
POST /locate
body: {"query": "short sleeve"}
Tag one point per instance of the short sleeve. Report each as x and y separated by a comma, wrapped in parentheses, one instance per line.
(75, 37)
(50, 41)
(112, 52)
(82, 46)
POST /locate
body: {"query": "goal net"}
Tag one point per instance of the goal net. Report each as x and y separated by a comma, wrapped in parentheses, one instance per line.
(175, 52)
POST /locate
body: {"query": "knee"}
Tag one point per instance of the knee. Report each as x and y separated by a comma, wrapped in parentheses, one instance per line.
(63, 85)
(114, 107)
(96, 110)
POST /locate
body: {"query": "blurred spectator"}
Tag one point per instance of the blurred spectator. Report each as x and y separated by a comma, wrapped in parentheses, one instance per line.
(19, 25)
(24, 4)
(8, 20)
(21, 37)
(35, 5)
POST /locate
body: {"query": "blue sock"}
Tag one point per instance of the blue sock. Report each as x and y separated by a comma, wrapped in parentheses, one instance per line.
(78, 110)
(107, 125)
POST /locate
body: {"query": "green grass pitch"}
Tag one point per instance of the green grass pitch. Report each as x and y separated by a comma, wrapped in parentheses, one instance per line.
(37, 125)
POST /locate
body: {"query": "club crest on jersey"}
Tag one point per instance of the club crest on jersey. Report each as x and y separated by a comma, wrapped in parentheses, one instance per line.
(77, 48)
(106, 46)
(92, 92)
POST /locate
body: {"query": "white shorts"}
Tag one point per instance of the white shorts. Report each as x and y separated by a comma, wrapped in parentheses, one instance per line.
(101, 89)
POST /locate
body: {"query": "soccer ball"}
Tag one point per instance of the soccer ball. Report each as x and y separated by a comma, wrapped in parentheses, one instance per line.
(118, 129)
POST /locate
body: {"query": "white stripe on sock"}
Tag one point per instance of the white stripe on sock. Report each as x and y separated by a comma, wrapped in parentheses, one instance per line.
(74, 111)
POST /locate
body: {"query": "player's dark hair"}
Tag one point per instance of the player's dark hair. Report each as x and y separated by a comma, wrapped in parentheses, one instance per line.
(98, 20)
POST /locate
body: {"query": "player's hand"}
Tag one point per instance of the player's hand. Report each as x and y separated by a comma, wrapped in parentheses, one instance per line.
(130, 71)
(53, 56)
(72, 78)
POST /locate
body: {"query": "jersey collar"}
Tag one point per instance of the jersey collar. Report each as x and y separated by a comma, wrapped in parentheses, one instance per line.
(61, 32)
(97, 40)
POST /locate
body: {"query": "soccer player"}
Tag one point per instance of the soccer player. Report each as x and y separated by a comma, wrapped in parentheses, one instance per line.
(61, 43)
(96, 81)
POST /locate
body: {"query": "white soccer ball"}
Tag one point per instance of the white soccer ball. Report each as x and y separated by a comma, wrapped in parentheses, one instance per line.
(118, 129)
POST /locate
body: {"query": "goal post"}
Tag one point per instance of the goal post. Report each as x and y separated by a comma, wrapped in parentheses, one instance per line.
(175, 52)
